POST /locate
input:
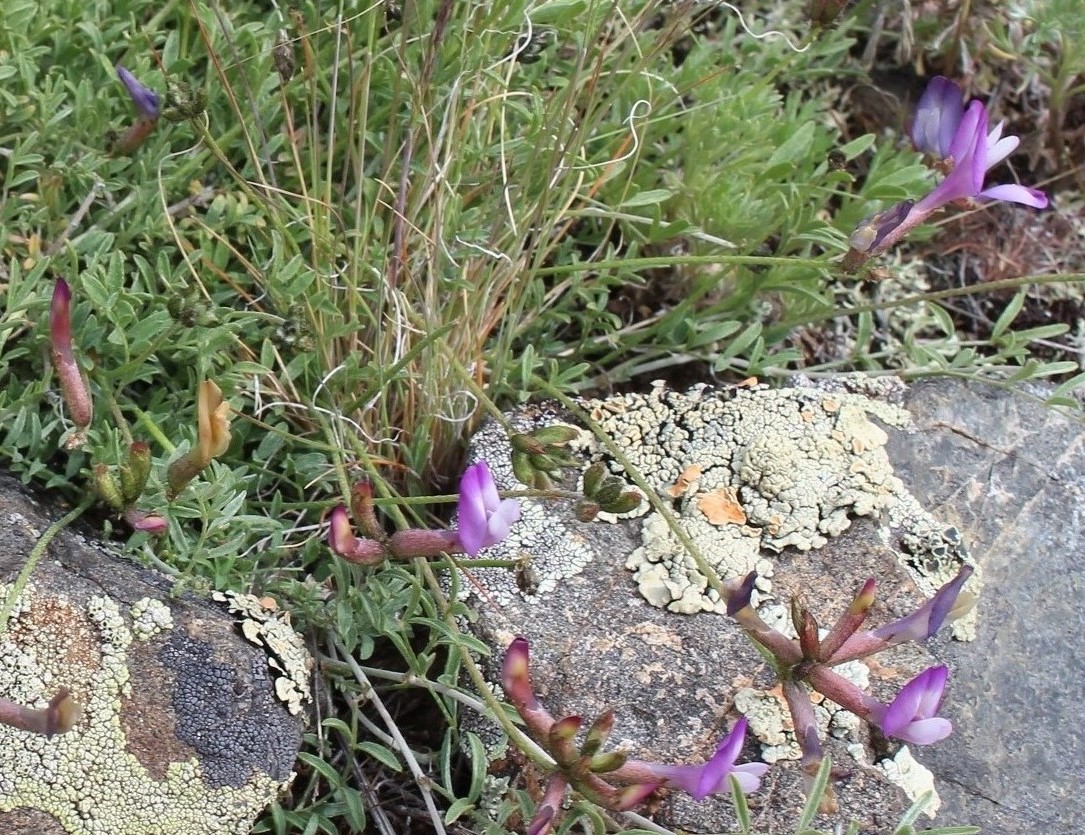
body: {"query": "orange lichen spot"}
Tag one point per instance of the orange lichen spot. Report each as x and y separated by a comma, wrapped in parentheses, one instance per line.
(689, 475)
(722, 507)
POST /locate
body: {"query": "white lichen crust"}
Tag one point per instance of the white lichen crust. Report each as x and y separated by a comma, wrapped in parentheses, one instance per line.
(86, 778)
(263, 625)
(913, 777)
(755, 470)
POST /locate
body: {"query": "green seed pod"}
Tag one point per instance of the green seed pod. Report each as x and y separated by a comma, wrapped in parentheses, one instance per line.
(135, 471)
(555, 435)
(627, 501)
(542, 481)
(610, 490)
(107, 487)
(593, 477)
(543, 463)
(521, 468)
(524, 443)
(610, 761)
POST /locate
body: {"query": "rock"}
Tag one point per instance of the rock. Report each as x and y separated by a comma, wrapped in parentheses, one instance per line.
(1010, 474)
(794, 482)
(181, 729)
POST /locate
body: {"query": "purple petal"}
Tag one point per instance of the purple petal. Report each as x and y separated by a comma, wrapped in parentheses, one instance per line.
(1016, 194)
(972, 126)
(472, 512)
(484, 519)
(917, 701)
(501, 521)
(749, 776)
(937, 116)
(713, 777)
(930, 692)
(928, 618)
(926, 731)
(145, 99)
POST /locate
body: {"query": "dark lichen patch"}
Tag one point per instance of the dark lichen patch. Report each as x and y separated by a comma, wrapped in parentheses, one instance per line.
(147, 713)
(223, 713)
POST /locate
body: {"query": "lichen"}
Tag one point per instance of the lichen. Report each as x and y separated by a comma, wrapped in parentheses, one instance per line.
(149, 618)
(755, 470)
(87, 779)
(263, 625)
(913, 777)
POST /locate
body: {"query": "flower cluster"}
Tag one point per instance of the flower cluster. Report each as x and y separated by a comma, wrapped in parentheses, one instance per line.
(484, 520)
(627, 782)
(910, 716)
(963, 146)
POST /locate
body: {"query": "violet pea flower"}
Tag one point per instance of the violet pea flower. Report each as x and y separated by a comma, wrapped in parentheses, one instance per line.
(974, 152)
(713, 776)
(144, 98)
(936, 117)
(911, 715)
(484, 518)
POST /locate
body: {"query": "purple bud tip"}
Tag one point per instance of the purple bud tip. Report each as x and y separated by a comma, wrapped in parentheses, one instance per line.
(741, 597)
(145, 99)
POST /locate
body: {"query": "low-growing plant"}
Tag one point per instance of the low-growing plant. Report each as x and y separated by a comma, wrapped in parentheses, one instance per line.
(253, 257)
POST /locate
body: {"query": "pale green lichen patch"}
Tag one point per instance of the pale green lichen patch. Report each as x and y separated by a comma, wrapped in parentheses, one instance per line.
(150, 617)
(87, 779)
(913, 777)
(752, 471)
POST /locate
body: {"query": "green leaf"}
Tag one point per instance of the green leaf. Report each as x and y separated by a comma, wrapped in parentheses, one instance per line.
(817, 791)
(1010, 313)
(458, 809)
(651, 197)
(380, 753)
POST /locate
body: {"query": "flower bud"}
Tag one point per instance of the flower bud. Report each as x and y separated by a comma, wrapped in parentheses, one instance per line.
(135, 471)
(72, 384)
(108, 488)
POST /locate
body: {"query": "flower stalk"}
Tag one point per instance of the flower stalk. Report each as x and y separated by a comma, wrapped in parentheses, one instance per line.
(626, 782)
(484, 520)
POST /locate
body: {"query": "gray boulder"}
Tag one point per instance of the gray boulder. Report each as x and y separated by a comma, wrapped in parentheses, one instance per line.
(186, 724)
(817, 488)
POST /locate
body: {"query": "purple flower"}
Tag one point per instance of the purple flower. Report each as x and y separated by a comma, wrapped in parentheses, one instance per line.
(929, 618)
(712, 777)
(910, 716)
(973, 152)
(144, 98)
(484, 518)
(936, 117)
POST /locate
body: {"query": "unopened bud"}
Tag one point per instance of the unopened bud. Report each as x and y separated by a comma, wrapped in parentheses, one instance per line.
(108, 488)
(521, 467)
(135, 471)
(625, 503)
(598, 733)
(555, 434)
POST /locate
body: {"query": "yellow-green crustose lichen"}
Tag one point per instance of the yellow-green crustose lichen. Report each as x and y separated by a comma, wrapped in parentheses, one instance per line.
(87, 779)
